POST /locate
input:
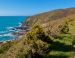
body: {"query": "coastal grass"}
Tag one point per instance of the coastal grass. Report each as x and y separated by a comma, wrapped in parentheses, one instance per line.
(63, 44)
(62, 47)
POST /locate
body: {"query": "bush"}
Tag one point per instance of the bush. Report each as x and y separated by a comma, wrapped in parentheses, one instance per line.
(65, 28)
(5, 47)
(38, 43)
(38, 33)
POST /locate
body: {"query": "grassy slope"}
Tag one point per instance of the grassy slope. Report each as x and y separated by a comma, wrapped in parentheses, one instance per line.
(51, 21)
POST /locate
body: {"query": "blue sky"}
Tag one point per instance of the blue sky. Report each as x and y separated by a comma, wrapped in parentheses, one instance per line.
(32, 7)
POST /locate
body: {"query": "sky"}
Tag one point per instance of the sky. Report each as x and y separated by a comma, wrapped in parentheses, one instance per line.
(32, 7)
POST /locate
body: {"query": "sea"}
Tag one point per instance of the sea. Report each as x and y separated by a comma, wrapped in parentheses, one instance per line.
(7, 23)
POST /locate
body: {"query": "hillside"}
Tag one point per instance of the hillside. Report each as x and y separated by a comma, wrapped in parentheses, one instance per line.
(52, 20)
(50, 36)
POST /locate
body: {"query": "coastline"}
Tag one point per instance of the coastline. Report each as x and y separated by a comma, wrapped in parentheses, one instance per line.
(23, 29)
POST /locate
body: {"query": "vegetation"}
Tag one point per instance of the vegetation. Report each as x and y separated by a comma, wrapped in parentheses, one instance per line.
(5, 47)
(36, 44)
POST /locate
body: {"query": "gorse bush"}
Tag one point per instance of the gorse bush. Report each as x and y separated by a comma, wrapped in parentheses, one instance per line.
(38, 33)
(40, 42)
(65, 28)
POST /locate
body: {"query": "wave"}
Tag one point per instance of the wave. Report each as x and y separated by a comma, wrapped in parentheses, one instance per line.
(9, 28)
(1, 32)
(20, 24)
(9, 34)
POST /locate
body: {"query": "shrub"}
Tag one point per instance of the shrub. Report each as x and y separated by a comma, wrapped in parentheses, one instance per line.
(65, 28)
(5, 47)
(38, 33)
(38, 43)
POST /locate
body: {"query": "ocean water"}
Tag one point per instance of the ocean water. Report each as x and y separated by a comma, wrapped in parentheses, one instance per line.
(6, 25)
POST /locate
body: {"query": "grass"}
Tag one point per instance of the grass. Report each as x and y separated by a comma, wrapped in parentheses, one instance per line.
(62, 47)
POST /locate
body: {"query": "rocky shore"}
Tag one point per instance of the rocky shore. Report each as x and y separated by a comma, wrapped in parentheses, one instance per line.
(22, 29)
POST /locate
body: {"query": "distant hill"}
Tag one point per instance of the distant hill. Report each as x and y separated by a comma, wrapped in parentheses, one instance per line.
(52, 20)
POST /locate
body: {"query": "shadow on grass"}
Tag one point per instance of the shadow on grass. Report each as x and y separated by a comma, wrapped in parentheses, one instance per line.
(57, 46)
(57, 56)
